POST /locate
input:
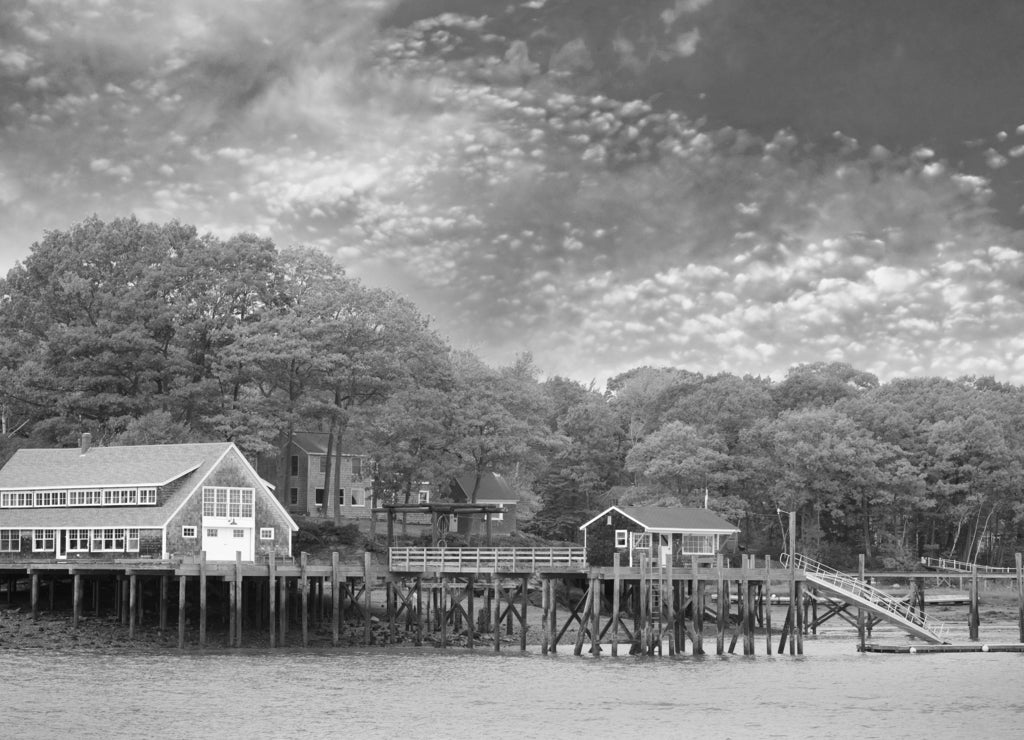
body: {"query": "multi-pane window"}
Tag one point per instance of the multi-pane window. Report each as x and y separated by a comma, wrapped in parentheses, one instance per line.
(78, 540)
(323, 463)
(238, 533)
(147, 495)
(621, 537)
(357, 497)
(189, 533)
(43, 540)
(228, 502)
(120, 496)
(211, 532)
(108, 540)
(132, 541)
(10, 540)
(51, 498)
(266, 533)
(698, 544)
(17, 499)
(295, 464)
(85, 498)
(357, 468)
(319, 497)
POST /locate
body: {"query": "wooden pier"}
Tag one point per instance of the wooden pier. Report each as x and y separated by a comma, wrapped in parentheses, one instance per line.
(473, 597)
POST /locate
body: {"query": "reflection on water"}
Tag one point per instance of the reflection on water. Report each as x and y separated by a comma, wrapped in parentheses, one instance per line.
(830, 691)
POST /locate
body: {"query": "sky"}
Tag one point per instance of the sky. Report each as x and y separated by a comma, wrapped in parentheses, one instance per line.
(716, 185)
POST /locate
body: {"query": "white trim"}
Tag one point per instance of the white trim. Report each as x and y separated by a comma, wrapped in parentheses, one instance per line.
(107, 485)
(195, 531)
(713, 530)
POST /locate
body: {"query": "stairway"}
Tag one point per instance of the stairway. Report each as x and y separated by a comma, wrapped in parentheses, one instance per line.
(864, 596)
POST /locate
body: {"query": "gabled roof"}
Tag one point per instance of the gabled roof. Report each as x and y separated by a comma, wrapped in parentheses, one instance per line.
(671, 519)
(315, 443)
(183, 467)
(107, 467)
(492, 489)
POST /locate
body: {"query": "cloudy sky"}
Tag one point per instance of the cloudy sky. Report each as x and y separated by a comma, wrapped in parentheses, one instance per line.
(738, 185)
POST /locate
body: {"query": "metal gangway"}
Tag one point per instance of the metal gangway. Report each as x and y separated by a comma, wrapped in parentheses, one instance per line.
(864, 596)
(959, 566)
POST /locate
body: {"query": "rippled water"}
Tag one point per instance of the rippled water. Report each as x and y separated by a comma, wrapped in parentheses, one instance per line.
(831, 691)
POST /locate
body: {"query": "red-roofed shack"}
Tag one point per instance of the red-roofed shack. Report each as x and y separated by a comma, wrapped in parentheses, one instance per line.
(659, 531)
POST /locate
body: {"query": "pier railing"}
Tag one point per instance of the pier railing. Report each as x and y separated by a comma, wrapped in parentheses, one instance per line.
(842, 584)
(487, 559)
(959, 566)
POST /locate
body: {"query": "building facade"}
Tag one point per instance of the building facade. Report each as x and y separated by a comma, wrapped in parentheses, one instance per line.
(146, 501)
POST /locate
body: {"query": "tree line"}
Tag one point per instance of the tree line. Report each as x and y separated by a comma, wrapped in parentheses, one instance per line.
(146, 333)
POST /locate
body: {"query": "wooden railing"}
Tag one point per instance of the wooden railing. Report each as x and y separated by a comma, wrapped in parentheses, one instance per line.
(487, 559)
(959, 566)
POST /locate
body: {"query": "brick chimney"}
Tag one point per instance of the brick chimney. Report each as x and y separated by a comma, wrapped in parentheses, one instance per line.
(86, 442)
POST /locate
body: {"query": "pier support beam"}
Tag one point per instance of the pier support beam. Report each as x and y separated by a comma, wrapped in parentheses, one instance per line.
(182, 584)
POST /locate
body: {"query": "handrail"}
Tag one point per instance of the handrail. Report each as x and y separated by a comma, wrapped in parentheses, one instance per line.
(959, 566)
(885, 602)
(486, 558)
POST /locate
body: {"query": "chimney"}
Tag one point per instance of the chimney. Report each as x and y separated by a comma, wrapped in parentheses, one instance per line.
(86, 442)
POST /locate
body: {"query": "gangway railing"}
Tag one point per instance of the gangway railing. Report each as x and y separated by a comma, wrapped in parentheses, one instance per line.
(959, 566)
(859, 593)
(487, 559)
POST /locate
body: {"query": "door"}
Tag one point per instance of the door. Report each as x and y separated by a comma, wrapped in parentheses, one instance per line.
(221, 543)
(61, 544)
(639, 543)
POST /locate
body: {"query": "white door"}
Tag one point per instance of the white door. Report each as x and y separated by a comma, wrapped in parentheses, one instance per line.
(221, 543)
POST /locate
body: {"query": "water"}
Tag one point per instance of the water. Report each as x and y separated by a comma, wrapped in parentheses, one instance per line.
(831, 691)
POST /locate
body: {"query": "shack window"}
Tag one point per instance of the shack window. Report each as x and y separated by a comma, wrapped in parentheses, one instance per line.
(266, 533)
(43, 540)
(621, 537)
(295, 464)
(10, 540)
(189, 533)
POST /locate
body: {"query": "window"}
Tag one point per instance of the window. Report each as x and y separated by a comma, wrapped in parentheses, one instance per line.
(43, 540)
(85, 498)
(78, 540)
(357, 497)
(238, 533)
(323, 463)
(10, 540)
(500, 517)
(640, 541)
(147, 496)
(266, 533)
(423, 494)
(319, 497)
(295, 496)
(211, 533)
(357, 468)
(228, 502)
(51, 498)
(621, 538)
(188, 533)
(295, 464)
(120, 497)
(108, 540)
(698, 544)
(132, 540)
(17, 499)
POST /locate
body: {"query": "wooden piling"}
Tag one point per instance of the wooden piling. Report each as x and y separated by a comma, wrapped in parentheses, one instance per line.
(304, 596)
(335, 600)
(545, 609)
(1020, 595)
(202, 598)
(616, 586)
(133, 596)
(282, 609)
(974, 615)
(239, 613)
(497, 604)
(524, 600)
(163, 603)
(232, 610)
(471, 608)
(861, 614)
(553, 585)
(271, 599)
(723, 609)
(442, 612)
(767, 605)
(182, 583)
(367, 580)
(581, 635)
(595, 617)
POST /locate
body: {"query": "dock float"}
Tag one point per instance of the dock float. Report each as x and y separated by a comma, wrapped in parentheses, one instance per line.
(949, 648)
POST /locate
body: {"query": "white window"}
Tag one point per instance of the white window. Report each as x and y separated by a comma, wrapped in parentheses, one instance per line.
(120, 497)
(17, 499)
(51, 498)
(238, 533)
(357, 497)
(500, 517)
(132, 540)
(108, 540)
(78, 540)
(621, 537)
(698, 544)
(228, 502)
(189, 533)
(266, 533)
(43, 540)
(85, 498)
(211, 533)
(10, 540)
(147, 496)
(640, 541)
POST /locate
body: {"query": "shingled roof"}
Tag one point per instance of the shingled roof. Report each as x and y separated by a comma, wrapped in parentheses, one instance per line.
(671, 519)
